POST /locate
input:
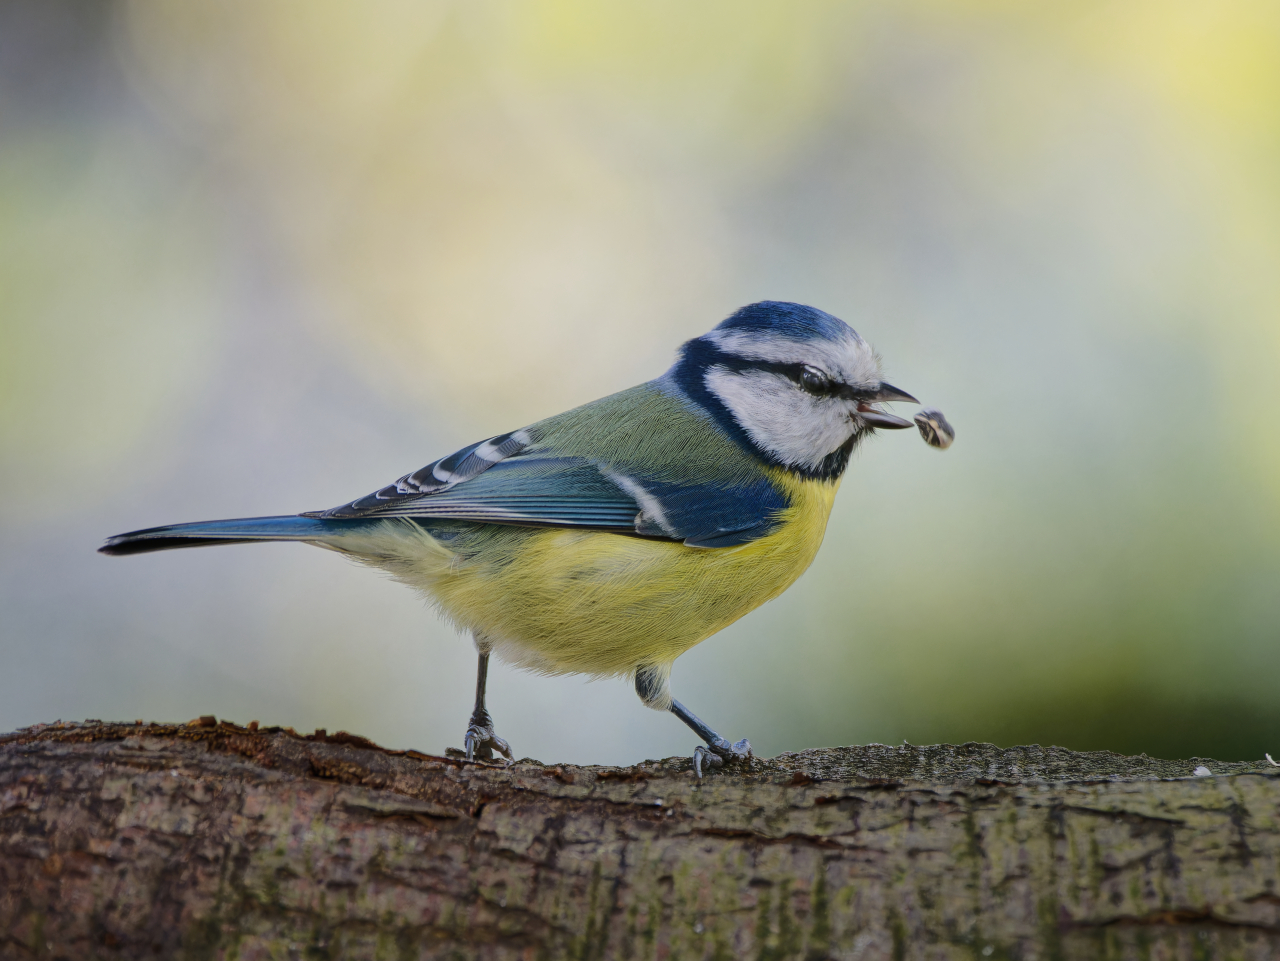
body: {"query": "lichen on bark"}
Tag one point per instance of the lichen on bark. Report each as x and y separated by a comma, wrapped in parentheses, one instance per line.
(214, 841)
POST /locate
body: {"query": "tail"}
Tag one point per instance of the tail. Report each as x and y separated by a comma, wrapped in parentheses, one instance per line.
(242, 531)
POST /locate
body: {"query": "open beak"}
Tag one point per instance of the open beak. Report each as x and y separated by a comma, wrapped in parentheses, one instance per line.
(878, 418)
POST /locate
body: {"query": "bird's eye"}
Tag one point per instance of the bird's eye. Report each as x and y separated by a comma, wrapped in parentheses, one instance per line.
(814, 380)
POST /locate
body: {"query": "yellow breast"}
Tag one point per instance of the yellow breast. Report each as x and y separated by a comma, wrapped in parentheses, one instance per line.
(564, 601)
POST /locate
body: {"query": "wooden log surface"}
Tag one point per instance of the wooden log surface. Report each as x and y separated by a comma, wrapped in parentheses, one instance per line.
(210, 840)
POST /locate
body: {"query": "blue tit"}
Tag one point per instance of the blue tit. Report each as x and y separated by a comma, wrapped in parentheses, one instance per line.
(610, 539)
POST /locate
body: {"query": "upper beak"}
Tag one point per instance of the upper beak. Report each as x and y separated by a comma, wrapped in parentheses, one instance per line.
(888, 392)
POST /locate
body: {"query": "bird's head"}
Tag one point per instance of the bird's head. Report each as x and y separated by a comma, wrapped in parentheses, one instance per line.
(797, 385)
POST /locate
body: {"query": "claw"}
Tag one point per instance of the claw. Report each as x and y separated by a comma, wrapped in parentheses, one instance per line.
(481, 742)
(704, 755)
(713, 756)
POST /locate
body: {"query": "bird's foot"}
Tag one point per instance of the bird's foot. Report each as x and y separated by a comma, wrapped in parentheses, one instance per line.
(481, 742)
(712, 756)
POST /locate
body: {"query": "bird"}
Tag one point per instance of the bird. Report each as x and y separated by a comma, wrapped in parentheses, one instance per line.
(610, 539)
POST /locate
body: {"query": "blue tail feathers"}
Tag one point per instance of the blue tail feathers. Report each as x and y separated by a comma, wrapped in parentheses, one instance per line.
(243, 530)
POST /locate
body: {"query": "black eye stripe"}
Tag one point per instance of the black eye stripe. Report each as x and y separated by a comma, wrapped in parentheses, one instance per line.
(795, 373)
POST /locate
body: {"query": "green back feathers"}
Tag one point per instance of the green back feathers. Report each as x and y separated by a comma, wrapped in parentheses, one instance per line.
(646, 427)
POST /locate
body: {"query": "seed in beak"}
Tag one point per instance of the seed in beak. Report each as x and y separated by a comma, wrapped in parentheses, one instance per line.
(934, 428)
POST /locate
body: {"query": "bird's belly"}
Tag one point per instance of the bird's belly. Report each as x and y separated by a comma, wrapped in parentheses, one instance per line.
(565, 601)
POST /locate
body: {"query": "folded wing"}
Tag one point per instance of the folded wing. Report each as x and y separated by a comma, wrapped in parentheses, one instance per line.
(511, 480)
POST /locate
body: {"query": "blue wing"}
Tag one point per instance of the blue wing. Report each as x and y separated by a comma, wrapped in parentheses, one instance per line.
(535, 491)
(508, 480)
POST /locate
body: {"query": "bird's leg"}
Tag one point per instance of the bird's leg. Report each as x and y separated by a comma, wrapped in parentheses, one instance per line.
(654, 690)
(717, 749)
(480, 741)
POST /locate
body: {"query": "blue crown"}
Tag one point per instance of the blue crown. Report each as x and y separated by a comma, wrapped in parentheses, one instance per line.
(787, 320)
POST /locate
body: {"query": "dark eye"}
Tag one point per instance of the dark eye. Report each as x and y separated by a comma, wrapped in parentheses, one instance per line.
(814, 380)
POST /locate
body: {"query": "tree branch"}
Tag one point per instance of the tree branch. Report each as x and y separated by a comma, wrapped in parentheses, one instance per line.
(210, 840)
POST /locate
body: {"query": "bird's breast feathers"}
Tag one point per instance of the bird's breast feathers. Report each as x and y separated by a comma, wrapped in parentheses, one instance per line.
(561, 600)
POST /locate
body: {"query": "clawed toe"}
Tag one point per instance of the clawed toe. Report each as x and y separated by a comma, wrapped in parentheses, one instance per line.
(713, 756)
(703, 756)
(481, 742)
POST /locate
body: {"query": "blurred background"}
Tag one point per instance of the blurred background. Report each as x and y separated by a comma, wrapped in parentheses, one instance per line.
(259, 258)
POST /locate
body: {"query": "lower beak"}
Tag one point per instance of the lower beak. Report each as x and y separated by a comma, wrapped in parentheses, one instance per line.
(878, 418)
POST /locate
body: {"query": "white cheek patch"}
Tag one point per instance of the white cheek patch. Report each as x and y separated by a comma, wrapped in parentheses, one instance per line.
(797, 428)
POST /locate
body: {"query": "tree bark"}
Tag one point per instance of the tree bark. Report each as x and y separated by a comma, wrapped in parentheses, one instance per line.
(210, 840)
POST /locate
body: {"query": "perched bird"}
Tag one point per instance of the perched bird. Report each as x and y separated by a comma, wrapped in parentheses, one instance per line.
(610, 539)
